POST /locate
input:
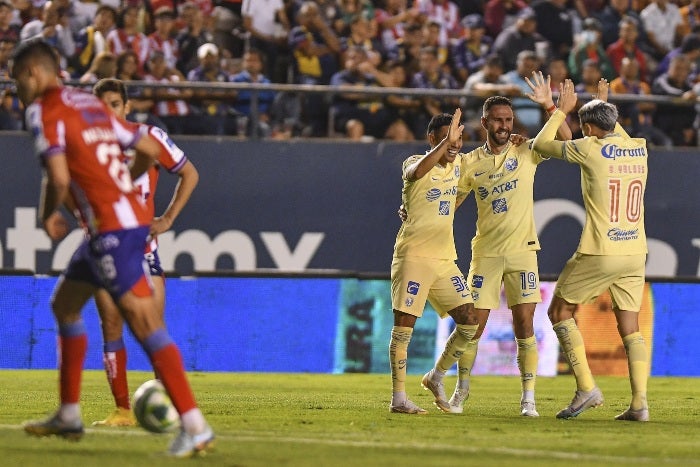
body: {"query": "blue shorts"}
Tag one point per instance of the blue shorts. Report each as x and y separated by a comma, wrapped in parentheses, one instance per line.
(113, 261)
(153, 261)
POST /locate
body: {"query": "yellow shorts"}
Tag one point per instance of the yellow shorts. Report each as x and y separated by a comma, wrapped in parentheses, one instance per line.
(518, 273)
(415, 280)
(584, 277)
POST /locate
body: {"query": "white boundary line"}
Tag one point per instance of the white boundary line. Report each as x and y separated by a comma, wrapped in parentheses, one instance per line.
(254, 437)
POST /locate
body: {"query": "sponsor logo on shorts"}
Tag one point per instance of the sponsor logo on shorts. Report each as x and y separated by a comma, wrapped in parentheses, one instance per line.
(499, 205)
(477, 281)
(409, 301)
(433, 194)
(412, 288)
(511, 164)
(444, 209)
(460, 285)
(475, 295)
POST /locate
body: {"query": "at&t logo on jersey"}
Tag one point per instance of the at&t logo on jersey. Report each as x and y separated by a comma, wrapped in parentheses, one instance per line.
(433, 194)
(444, 208)
(499, 205)
(483, 192)
(613, 151)
(412, 288)
(511, 164)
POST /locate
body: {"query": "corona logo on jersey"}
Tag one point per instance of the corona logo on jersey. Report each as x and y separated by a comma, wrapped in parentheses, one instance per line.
(613, 151)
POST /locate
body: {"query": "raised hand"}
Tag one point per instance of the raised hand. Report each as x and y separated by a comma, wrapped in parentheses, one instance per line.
(603, 90)
(454, 134)
(567, 96)
(541, 89)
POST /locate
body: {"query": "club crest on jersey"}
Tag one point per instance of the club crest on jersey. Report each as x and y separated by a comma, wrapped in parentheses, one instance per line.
(413, 288)
(499, 205)
(444, 209)
(477, 281)
(433, 194)
(511, 164)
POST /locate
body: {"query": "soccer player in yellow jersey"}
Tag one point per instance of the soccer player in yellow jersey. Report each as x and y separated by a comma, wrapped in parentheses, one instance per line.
(423, 266)
(612, 251)
(504, 249)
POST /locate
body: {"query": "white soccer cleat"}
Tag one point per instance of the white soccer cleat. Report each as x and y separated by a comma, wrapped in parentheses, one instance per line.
(582, 400)
(54, 426)
(527, 409)
(186, 445)
(630, 415)
(407, 407)
(459, 397)
(438, 390)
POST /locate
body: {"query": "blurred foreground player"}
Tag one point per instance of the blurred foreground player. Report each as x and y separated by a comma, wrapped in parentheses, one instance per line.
(171, 158)
(80, 144)
(611, 254)
(423, 267)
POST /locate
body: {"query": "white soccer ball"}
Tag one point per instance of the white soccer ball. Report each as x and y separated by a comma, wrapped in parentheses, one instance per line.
(153, 408)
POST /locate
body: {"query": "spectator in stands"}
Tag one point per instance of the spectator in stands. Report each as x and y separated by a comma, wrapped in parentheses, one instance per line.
(212, 106)
(589, 47)
(690, 18)
(104, 65)
(91, 41)
(52, 29)
(162, 40)
(407, 51)
(405, 107)
(610, 18)
(677, 121)
(11, 108)
(555, 23)
(637, 117)
(528, 113)
(392, 20)
(358, 115)
(661, 18)
(446, 14)
(626, 47)
(432, 76)
(501, 14)
(558, 71)
(431, 38)
(128, 66)
(347, 10)
(268, 25)
(360, 36)
(470, 52)
(9, 31)
(191, 38)
(128, 37)
(590, 77)
(169, 104)
(690, 48)
(521, 36)
(253, 65)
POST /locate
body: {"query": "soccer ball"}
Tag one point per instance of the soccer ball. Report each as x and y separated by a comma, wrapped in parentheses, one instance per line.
(153, 408)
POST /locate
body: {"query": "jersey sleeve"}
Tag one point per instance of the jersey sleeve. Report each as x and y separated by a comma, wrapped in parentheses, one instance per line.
(407, 163)
(49, 137)
(576, 151)
(171, 157)
(128, 133)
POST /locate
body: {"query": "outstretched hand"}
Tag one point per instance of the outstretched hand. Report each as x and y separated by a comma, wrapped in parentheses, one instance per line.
(603, 90)
(567, 96)
(454, 134)
(541, 89)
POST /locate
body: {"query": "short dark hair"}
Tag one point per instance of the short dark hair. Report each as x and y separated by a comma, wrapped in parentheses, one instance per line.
(110, 85)
(37, 50)
(493, 101)
(438, 121)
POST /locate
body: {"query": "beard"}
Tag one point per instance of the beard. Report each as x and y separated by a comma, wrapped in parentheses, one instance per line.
(498, 137)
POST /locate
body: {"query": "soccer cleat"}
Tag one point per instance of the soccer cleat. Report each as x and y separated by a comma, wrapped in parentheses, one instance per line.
(120, 417)
(407, 407)
(186, 445)
(54, 426)
(630, 415)
(582, 400)
(438, 390)
(459, 397)
(527, 409)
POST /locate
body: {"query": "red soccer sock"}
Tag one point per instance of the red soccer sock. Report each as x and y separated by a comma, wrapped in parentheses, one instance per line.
(167, 363)
(115, 367)
(72, 349)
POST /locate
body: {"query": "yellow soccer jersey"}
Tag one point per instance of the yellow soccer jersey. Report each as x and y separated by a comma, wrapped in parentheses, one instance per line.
(613, 182)
(503, 188)
(430, 204)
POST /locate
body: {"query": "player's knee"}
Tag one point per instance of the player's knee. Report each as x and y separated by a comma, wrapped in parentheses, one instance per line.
(464, 314)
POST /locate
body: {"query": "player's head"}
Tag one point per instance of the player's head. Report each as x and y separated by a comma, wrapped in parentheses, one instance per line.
(113, 93)
(437, 128)
(35, 67)
(497, 119)
(597, 113)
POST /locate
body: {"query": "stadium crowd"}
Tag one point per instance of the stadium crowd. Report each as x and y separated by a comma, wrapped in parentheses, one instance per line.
(485, 47)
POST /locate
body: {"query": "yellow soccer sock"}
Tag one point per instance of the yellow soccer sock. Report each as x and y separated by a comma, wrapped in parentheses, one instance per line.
(527, 363)
(398, 356)
(571, 341)
(466, 363)
(454, 348)
(638, 364)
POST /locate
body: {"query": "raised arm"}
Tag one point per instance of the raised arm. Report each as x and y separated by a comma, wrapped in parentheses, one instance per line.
(451, 142)
(544, 141)
(542, 95)
(603, 92)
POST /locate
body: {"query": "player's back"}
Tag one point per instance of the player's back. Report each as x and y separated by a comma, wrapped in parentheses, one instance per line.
(75, 123)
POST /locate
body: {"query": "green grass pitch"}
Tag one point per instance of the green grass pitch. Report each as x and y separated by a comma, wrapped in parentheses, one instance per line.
(344, 420)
